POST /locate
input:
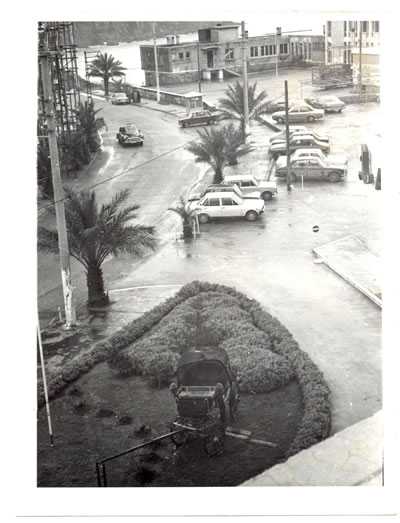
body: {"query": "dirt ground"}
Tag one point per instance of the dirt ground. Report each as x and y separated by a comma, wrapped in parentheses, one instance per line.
(91, 426)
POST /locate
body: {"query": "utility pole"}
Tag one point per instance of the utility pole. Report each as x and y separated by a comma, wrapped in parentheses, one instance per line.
(288, 173)
(360, 60)
(198, 66)
(156, 64)
(245, 86)
(70, 315)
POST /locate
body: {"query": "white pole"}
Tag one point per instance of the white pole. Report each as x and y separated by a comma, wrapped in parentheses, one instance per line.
(245, 86)
(276, 59)
(45, 383)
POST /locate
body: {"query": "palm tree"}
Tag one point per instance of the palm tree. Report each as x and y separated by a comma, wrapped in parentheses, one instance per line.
(186, 214)
(96, 233)
(106, 67)
(216, 147)
(232, 107)
(88, 124)
(118, 85)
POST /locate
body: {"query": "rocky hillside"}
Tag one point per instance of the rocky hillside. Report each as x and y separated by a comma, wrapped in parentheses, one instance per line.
(96, 33)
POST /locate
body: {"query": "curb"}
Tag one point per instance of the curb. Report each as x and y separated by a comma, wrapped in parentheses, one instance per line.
(346, 276)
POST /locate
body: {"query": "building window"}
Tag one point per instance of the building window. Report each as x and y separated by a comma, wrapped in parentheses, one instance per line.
(173, 56)
(375, 27)
(229, 54)
(272, 49)
(345, 28)
(365, 27)
(180, 56)
(262, 50)
(329, 28)
(283, 48)
(329, 57)
(253, 51)
(187, 55)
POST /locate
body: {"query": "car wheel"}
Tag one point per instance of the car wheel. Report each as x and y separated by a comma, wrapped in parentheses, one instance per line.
(339, 111)
(266, 196)
(334, 177)
(311, 119)
(184, 124)
(204, 218)
(280, 119)
(210, 122)
(251, 216)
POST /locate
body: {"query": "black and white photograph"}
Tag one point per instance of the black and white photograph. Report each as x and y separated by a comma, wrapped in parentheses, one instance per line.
(209, 249)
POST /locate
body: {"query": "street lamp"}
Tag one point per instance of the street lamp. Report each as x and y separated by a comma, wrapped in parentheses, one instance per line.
(278, 33)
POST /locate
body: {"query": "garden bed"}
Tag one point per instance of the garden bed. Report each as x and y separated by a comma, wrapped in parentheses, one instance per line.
(282, 386)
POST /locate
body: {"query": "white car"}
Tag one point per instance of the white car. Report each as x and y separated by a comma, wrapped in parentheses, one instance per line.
(248, 183)
(299, 113)
(313, 153)
(226, 204)
(119, 99)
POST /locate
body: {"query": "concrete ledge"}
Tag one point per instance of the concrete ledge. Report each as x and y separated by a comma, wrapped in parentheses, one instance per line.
(353, 457)
(351, 260)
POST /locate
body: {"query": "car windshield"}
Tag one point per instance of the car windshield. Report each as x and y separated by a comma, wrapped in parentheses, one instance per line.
(131, 129)
(331, 99)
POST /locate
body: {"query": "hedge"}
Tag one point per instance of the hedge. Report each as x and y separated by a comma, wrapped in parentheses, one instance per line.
(271, 337)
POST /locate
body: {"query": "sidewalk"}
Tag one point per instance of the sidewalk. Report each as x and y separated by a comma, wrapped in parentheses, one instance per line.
(354, 262)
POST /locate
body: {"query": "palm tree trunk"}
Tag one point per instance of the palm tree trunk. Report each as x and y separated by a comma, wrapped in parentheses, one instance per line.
(95, 283)
(218, 176)
(106, 82)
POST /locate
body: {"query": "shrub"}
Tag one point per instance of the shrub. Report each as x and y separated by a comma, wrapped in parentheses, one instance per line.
(258, 370)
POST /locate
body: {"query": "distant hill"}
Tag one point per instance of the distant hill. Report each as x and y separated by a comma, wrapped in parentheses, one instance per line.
(96, 33)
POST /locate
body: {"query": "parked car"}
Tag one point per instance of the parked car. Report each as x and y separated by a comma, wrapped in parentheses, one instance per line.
(328, 103)
(198, 118)
(292, 129)
(119, 99)
(223, 188)
(226, 204)
(313, 153)
(129, 134)
(248, 183)
(208, 105)
(303, 141)
(299, 113)
(313, 169)
(297, 129)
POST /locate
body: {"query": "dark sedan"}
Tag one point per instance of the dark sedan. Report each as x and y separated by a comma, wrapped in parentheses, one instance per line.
(198, 118)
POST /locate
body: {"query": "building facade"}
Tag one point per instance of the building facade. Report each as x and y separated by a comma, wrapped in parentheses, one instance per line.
(218, 54)
(342, 37)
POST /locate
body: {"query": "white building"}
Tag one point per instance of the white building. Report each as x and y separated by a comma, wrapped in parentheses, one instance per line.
(343, 37)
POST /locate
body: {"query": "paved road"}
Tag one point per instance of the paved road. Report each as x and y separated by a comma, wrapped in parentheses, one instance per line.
(156, 173)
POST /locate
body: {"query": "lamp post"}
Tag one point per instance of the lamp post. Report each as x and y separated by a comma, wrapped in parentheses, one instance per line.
(278, 33)
(198, 66)
(245, 86)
